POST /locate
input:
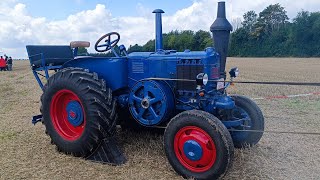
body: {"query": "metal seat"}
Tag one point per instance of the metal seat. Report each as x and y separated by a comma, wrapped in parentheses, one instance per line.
(45, 55)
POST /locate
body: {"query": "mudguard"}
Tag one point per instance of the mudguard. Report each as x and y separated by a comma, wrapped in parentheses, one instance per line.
(113, 70)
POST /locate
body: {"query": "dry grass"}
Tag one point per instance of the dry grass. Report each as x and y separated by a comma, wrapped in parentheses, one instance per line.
(26, 152)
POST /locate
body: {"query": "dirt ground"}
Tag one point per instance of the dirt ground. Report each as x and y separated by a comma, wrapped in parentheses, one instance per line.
(26, 152)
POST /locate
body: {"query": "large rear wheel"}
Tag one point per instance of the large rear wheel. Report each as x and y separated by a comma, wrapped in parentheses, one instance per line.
(198, 145)
(78, 111)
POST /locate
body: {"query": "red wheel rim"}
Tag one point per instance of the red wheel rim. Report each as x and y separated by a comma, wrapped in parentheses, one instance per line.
(207, 157)
(59, 115)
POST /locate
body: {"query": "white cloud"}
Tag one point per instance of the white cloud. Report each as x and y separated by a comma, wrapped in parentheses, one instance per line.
(20, 28)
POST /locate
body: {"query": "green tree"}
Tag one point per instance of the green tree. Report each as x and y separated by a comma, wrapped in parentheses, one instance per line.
(250, 20)
(82, 51)
(185, 40)
(135, 48)
(201, 40)
(305, 34)
(272, 18)
(149, 46)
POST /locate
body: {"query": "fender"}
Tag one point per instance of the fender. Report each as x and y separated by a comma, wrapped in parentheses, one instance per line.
(113, 70)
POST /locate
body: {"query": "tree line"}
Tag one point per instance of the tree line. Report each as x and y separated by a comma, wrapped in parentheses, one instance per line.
(271, 34)
(267, 34)
(179, 40)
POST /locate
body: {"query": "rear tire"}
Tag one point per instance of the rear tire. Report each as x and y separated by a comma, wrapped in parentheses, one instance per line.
(198, 145)
(78, 111)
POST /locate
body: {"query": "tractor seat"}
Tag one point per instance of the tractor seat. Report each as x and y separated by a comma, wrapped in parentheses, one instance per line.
(78, 44)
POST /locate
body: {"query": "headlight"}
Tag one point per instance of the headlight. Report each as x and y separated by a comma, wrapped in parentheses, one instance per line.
(234, 72)
(202, 79)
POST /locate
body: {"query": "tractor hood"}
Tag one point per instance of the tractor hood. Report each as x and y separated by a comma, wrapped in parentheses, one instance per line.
(187, 54)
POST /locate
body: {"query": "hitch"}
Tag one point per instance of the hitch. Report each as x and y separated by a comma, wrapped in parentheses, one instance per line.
(36, 119)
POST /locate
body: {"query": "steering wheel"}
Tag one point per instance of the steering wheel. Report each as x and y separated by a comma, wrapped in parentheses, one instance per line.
(108, 43)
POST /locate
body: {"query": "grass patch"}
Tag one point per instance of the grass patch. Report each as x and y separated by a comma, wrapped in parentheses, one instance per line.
(12, 75)
(24, 92)
(302, 105)
(5, 105)
(8, 136)
(5, 89)
(21, 78)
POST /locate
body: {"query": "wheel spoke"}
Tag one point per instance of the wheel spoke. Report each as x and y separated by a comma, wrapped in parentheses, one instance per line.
(136, 98)
(141, 113)
(145, 91)
(103, 45)
(113, 41)
(107, 40)
(153, 113)
(155, 100)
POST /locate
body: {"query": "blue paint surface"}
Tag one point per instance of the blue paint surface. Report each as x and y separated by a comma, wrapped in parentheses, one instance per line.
(151, 102)
(112, 70)
(75, 113)
(192, 150)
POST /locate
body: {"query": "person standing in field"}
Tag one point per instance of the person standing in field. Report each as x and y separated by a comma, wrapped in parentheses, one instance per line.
(3, 64)
(6, 59)
(9, 62)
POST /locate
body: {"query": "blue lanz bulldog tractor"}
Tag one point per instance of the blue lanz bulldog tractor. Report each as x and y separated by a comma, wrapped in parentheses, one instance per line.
(87, 97)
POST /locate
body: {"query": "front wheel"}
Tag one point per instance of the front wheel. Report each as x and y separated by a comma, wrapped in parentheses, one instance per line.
(254, 122)
(198, 145)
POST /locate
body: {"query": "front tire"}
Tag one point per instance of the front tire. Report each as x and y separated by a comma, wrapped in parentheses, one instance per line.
(78, 111)
(246, 108)
(198, 145)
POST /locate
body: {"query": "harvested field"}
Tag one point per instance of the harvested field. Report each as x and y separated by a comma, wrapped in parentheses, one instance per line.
(26, 152)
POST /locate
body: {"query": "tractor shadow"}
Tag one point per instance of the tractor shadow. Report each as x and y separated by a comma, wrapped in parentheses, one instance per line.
(143, 145)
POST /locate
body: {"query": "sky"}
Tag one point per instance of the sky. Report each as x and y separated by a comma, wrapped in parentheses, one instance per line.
(58, 22)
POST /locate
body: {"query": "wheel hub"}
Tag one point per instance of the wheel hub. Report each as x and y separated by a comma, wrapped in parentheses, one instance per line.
(145, 103)
(195, 149)
(67, 115)
(75, 116)
(192, 150)
(72, 114)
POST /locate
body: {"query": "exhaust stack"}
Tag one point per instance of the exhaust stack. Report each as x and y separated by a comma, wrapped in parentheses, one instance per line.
(159, 38)
(221, 29)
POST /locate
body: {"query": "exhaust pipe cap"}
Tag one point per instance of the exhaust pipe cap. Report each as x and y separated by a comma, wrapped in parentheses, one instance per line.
(221, 23)
(158, 11)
